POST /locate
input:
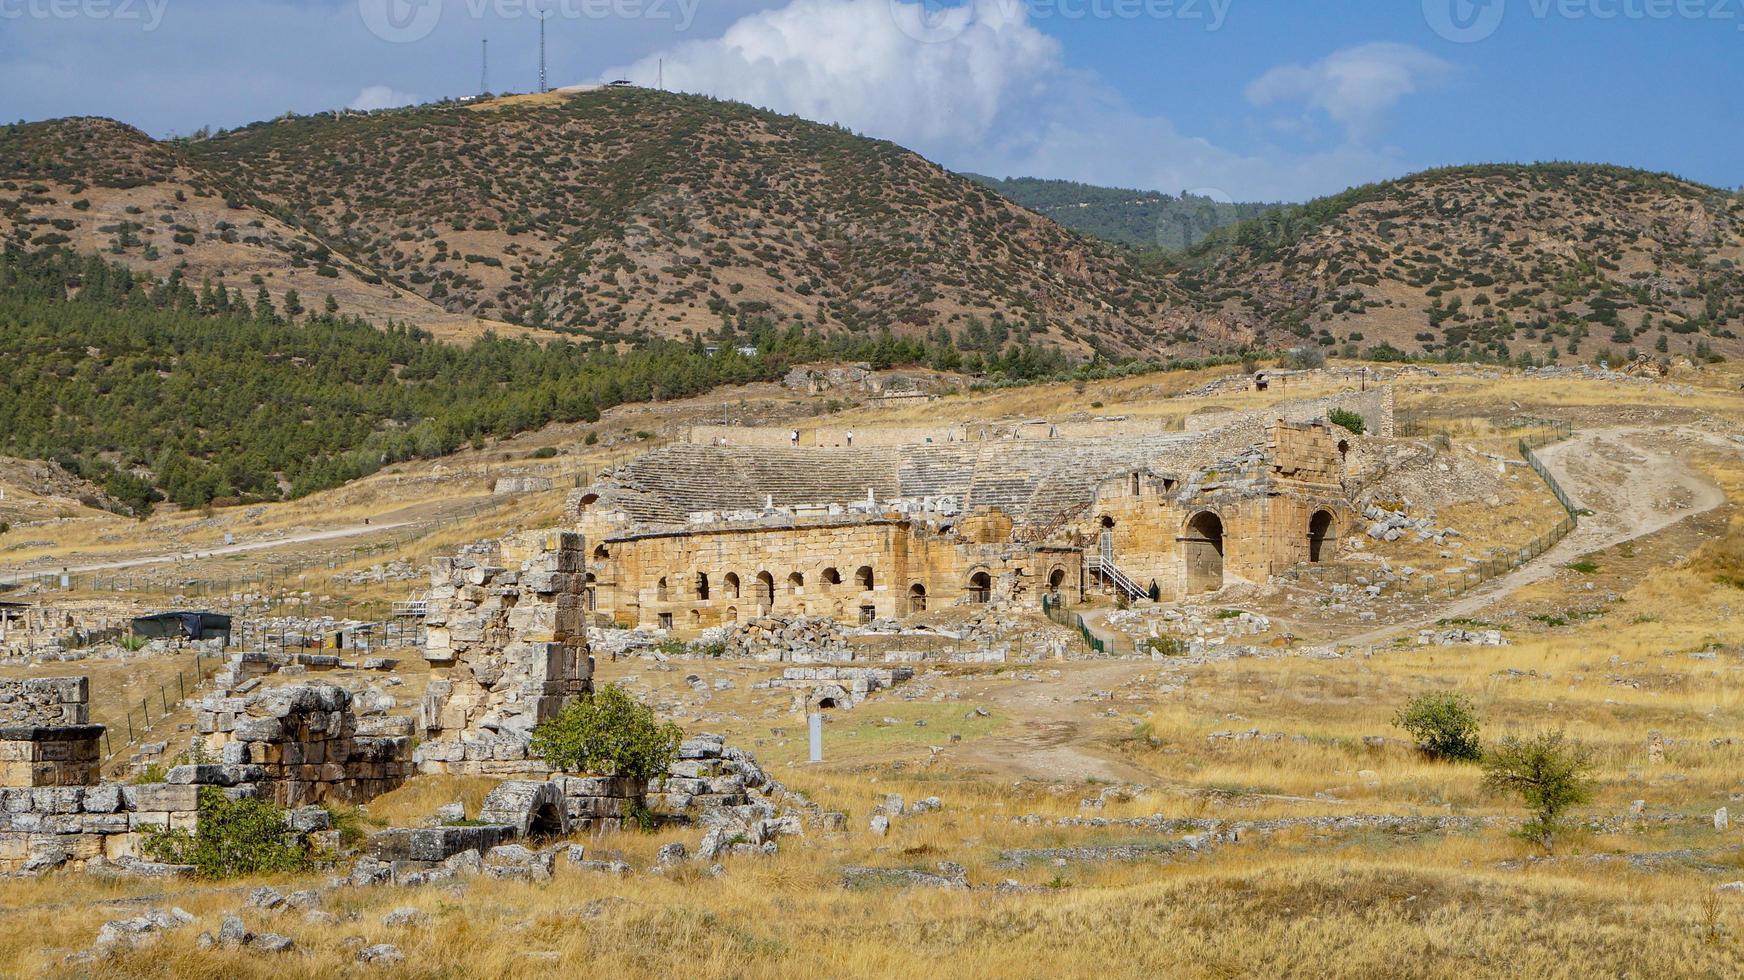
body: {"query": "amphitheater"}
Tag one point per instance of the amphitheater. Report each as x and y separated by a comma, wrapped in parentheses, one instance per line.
(697, 535)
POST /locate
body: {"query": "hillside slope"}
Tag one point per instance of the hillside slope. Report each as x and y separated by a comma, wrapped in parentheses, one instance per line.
(624, 212)
(100, 187)
(1493, 261)
(1138, 219)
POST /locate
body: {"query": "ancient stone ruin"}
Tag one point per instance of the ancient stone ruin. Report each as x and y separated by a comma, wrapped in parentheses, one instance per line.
(695, 537)
(299, 745)
(505, 632)
(46, 738)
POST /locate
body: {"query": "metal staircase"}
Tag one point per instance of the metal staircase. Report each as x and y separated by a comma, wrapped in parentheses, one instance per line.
(1103, 567)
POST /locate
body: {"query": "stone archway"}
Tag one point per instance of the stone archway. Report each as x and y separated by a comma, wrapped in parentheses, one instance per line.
(765, 592)
(1202, 552)
(980, 588)
(917, 598)
(1321, 532)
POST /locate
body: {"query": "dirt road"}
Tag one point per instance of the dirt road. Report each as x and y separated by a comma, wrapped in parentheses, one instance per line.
(1634, 481)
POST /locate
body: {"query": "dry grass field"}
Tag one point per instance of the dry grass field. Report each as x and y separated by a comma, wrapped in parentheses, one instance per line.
(1255, 815)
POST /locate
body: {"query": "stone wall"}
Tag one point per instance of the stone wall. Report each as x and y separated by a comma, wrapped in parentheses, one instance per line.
(44, 701)
(61, 755)
(506, 633)
(45, 735)
(299, 745)
(50, 827)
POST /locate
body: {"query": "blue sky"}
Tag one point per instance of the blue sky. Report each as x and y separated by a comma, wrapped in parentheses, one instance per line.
(1249, 99)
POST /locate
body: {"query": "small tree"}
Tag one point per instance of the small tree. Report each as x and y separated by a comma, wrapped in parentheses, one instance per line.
(1348, 419)
(234, 837)
(1549, 775)
(1443, 723)
(610, 733)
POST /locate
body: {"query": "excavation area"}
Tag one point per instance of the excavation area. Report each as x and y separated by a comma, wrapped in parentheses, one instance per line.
(1170, 674)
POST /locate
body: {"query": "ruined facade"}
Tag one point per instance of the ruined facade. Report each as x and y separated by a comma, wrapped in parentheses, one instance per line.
(696, 536)
(506, 633)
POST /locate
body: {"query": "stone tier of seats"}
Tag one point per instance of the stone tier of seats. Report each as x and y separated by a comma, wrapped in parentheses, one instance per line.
(1032, 481)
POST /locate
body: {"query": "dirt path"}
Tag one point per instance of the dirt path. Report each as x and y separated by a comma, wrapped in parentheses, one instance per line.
(1635, 481)
(1056, 732)
(236, 549)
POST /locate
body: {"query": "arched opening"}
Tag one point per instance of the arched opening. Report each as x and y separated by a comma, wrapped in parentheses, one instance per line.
(660, 589)
(1319, 533)
(980, 587)
(863, 578)
(587, 501)
(546, 823)
(702, 585)
(601, 553)
(917, 598)
(1202, 552)
(695, 617)
(590, 594)
(1056, 580)
(1106, 522)
(765, 591)
(795, 583)
(730, 585)
(731, 615)
(831, 578)
(825, 704)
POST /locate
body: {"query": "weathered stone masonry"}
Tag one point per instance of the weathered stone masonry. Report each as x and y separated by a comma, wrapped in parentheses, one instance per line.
(506, 631)
(692, 537)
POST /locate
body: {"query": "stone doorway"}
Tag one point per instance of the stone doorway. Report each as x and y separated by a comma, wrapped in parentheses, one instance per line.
(1320, 532)
(1202, 552)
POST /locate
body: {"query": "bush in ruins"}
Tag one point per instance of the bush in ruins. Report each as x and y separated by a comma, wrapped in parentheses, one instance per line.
(609, 733)
(235, 837)
(1348, 419)
(1443, 723)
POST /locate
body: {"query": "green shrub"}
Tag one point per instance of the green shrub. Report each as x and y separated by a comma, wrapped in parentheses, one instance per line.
(610, 733)
(543, 452)
(1348, 419)
(1548, 774)
(234, 837)
(1443, 723)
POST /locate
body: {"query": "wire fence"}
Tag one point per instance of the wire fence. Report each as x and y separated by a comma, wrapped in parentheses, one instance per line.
(141, 718)
(1056, 610)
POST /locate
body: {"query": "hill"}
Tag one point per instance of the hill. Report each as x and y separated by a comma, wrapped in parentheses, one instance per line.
(100, 187)
(1543, 261)
(626, 213)
(1139, 219)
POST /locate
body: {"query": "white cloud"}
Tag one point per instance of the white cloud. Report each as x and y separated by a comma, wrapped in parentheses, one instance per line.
(1355, 86)
(381, 97)
(865, 64)
(981, 88)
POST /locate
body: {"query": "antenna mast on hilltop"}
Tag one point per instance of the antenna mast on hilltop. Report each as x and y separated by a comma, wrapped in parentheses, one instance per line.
(542, 87)
(484, 67)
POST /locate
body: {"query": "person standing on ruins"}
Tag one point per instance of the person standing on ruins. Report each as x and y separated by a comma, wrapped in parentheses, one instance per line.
(795, 438)
(850, 438)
